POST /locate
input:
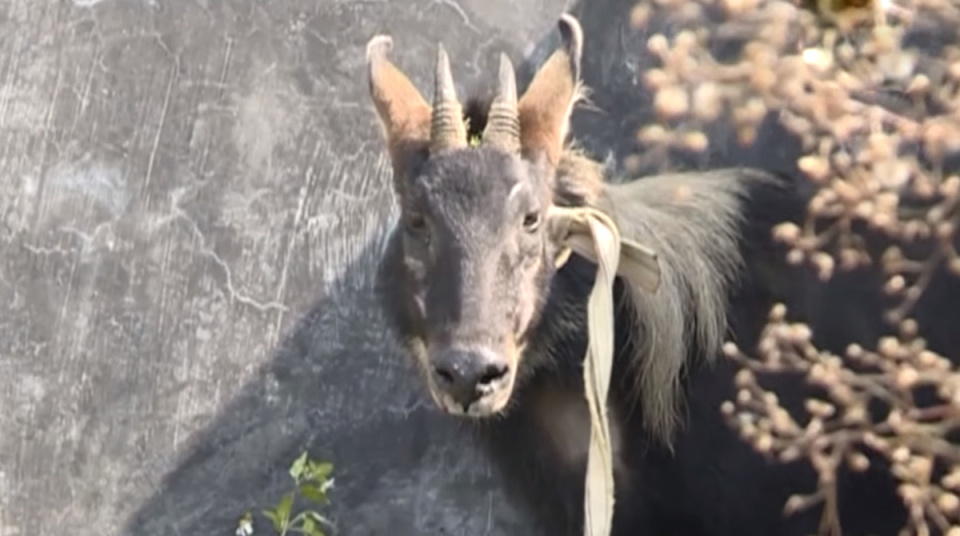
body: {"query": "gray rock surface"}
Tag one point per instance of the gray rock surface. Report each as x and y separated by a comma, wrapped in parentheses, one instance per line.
(192, 199)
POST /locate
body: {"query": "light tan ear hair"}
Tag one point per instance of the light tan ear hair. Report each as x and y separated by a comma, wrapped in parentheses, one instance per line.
(546, 105)
(404, 114)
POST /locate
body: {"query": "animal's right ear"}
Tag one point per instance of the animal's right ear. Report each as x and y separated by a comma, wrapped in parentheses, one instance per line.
(546, 105)
(403, 112)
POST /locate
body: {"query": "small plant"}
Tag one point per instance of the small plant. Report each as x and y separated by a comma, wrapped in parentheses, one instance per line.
(311, 481)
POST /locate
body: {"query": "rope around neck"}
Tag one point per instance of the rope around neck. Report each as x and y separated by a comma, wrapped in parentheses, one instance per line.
(594, 235)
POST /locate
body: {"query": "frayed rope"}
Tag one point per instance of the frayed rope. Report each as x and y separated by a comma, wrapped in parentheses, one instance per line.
(593, 235)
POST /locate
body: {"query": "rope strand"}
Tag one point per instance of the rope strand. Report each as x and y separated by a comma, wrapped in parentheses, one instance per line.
(594, 235)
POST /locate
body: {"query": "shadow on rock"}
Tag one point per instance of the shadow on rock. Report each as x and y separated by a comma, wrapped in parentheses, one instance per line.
(339, 389)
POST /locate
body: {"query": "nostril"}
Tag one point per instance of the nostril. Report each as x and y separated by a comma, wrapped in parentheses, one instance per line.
(466, 375)
(445, 375)
(492, 373)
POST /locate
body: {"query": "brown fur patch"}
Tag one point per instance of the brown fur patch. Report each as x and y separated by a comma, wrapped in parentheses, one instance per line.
(404, 114)
(545, 108)
(579, 179)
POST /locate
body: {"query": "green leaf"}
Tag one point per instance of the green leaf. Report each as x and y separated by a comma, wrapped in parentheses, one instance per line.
(313, 493)
(319, 471)
(296, 470)
(283, 509)
(313, 514)
(274, 518)
(310, 528)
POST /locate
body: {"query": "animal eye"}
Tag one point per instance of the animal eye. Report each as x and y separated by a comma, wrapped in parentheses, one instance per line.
(416, 224)
(531, 221)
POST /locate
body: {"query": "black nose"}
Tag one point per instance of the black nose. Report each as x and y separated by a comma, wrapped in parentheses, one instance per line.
(466, 375)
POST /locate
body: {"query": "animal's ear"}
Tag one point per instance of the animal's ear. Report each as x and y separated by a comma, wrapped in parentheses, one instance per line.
(546, 105)
(403, 112)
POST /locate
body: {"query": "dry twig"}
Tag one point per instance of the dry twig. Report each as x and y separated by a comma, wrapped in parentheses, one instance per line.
(878, 122)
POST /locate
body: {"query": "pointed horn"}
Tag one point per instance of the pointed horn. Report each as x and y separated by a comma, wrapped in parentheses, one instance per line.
(447, 130)
(503, 123)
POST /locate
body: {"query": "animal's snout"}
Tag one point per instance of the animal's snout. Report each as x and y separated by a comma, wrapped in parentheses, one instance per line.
(467, 374)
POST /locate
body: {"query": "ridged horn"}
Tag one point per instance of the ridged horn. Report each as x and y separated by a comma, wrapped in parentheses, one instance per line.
(447, 129)
(503, 122)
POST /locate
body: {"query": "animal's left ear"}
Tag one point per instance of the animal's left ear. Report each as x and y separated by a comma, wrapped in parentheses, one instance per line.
(546, 105)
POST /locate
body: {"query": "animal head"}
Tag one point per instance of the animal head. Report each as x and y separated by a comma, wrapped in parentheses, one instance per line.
(475, 248)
